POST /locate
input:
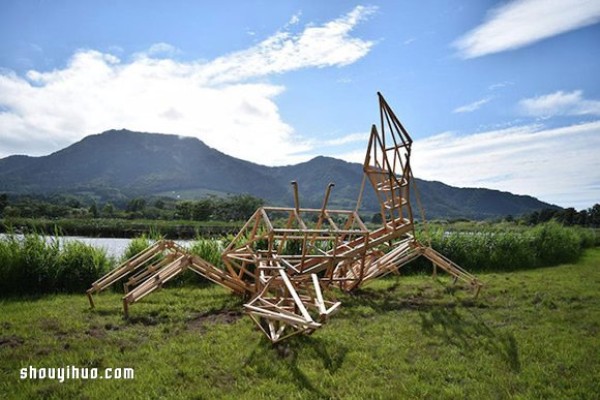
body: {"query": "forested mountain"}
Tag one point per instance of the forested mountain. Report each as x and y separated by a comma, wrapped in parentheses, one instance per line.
(121, 163)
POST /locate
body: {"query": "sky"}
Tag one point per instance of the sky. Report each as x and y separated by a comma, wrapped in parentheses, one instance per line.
(496, 94)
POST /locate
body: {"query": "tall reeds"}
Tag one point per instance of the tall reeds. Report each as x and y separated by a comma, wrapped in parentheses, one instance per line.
(506, 250)
(33, 264)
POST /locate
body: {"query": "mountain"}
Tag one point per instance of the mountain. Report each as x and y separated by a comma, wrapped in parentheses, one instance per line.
(121, 162)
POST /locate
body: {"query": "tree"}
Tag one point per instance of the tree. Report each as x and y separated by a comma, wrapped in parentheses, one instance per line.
(546, 215)
(3, 203)
(94, 210)
(594, 216)
(376, 218)
(12, 212)
(202, 210)
(183, 210)
(74, 203)
(136, 205)
(567, 216)
(533, 218)
(581, 218)
(108, 209)
(241, 207)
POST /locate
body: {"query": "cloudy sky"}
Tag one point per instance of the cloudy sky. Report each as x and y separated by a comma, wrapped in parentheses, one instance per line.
(496, 94)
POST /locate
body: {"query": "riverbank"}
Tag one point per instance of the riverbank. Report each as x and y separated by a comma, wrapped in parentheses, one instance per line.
(121, 228)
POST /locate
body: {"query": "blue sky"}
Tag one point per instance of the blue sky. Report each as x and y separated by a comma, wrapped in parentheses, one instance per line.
(502, 95)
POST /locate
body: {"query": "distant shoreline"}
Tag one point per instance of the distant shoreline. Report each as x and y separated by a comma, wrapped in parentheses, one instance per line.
(120, 228)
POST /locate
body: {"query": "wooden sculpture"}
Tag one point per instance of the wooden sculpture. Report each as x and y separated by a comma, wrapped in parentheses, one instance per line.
(283, 267)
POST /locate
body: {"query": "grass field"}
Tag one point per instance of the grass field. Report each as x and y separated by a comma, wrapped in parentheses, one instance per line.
(530, 334)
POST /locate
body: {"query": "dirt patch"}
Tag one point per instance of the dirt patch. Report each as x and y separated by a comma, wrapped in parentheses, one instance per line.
(11, 341)
(96, 332)
(111, 327)
(54, 326)
(215, 317)
(50, 324)
(146, 320)
(43, 351)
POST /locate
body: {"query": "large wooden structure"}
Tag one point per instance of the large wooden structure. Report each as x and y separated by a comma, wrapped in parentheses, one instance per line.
(283, 258)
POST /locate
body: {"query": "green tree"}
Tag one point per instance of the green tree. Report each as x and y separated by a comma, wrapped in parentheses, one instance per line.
(567, 216)
(546, 215)
(3, 203)
(136, 205)
(594, 216)
(12, 212)
(108, 210)
(241, 207)
(581, 218)
(94, 210)
(202, 210)
(183, 210)
(376, 218)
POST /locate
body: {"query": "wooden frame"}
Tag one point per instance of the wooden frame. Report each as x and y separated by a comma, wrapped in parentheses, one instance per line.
(284, 257)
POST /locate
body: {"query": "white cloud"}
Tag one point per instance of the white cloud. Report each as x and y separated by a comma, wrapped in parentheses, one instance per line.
(472, 106)
(499, 85)
(219, 101)
(558, 165)
(523, 22)
(295, 18)
(327, 45)
(559, 103)
(161, 49)
(350, 138)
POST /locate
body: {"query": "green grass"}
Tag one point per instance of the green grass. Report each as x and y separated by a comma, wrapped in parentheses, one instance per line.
(530, 334)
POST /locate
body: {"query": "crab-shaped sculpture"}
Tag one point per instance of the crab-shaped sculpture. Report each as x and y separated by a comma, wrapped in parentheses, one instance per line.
(282, 258)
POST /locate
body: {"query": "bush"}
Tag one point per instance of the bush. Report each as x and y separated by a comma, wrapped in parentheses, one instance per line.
(209, 250)
(555, 244)
(35, 265)
(135, 246)
(28, 264)
(508, 249)
(587, 237)
(80, 265)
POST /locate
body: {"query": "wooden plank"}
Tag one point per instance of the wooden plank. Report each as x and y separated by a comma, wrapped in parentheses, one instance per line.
(292, 291)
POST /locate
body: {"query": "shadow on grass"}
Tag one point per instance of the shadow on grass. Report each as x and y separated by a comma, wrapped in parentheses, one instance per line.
(25, 298)
(468, 332)
(276, 359)
(429, 296)
(442, 314)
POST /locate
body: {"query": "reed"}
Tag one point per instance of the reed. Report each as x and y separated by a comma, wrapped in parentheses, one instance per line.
(209, 250)
(33, 265)
(491, 249)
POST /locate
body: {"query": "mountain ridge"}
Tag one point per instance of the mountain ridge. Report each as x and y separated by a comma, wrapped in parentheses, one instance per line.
(152, 164)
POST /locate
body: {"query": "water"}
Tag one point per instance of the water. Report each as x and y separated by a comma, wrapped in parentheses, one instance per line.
(114, 247)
